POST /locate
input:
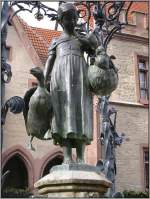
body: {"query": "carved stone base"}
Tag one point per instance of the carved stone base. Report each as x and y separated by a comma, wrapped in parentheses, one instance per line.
(72, 181)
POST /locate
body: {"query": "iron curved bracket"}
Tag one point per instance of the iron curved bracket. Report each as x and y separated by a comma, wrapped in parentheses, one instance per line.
(42, 10)
(15, 104)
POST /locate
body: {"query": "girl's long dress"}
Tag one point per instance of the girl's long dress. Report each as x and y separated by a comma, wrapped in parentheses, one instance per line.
(71, 98)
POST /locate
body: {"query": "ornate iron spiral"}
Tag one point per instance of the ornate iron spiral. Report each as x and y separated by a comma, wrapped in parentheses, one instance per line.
(15, 104)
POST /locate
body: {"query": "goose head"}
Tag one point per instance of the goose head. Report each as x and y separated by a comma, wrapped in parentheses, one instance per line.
(38, 73)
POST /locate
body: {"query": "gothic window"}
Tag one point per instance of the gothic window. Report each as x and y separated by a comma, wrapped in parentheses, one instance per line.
(18, 176)
(146, 169)
(143, 80)
(56, 161)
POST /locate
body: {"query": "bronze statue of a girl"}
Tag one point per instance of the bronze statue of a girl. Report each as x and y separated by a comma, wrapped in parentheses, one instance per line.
(69, 86)
(71, 98)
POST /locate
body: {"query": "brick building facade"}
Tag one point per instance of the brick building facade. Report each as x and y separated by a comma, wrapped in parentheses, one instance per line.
(28, 47)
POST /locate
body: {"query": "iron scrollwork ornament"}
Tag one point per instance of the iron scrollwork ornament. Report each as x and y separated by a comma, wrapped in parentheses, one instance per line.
(107, 19)
(107, 16)
(15, 104)
(6, 73)
(110, 139)
(39, 8)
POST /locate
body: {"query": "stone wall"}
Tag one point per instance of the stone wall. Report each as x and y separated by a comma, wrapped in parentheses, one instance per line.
(132, 121)
(132, 117)
(125, 52)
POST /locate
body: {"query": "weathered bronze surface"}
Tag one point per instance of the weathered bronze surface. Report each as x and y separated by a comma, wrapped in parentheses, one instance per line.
(38, 109)
(102, 75)
(69, 86)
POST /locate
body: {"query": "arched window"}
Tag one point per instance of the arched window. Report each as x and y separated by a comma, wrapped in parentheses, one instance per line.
(55, 161)
(18, 176)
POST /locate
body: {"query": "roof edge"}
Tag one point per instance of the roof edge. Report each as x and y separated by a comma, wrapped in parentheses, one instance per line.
(26, 42)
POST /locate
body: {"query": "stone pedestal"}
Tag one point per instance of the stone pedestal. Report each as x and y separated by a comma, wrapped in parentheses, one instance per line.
(73, 180)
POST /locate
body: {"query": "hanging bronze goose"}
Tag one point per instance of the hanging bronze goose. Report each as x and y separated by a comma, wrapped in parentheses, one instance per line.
(103, 75)
(38, 109)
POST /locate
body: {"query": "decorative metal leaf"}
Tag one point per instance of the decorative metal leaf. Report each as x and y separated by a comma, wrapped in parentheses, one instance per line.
(15, 104)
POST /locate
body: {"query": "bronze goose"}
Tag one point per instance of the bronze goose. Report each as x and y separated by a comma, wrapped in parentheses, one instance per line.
(38, 109)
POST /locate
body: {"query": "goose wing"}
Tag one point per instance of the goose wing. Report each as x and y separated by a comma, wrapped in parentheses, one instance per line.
(26, 98)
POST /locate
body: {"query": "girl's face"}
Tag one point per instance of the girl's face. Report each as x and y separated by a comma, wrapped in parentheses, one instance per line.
(69, 21)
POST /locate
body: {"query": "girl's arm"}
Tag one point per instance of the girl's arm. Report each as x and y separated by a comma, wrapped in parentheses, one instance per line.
(48, 66)
(50, 61)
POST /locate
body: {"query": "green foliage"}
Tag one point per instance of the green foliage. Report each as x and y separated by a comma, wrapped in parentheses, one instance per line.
(11, 192)
(135, 194)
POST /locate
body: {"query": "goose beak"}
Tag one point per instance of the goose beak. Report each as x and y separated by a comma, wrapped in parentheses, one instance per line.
(37, 72)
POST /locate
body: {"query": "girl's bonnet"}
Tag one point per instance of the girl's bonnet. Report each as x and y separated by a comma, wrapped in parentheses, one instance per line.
(64, 8)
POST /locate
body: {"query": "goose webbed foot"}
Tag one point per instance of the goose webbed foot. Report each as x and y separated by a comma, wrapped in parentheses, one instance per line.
(48, 135)
(30, 146)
